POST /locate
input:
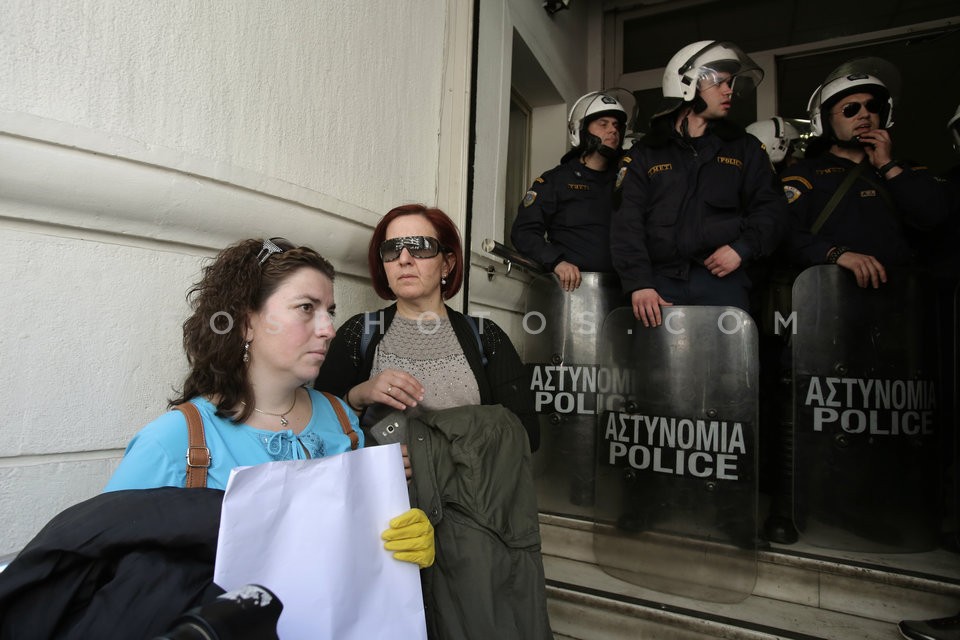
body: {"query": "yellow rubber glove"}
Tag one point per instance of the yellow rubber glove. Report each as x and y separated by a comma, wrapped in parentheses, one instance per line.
(410, 537)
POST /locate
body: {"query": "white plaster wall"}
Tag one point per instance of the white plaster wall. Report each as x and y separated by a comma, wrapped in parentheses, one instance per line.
(559, 43)
(139, 137)
(342, 98)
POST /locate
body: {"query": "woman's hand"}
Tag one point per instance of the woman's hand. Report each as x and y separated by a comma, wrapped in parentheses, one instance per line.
(394, 388)
(410, 537)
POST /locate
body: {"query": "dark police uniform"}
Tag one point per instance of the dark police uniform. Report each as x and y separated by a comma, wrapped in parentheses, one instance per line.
(874, 217)
(684, 198)
(571, 203)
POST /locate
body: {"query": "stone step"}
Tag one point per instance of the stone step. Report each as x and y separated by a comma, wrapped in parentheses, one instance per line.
(796, 595)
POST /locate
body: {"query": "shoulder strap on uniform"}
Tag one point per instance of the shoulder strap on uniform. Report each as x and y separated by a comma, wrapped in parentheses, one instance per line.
(198, 455)
(474, 324)
(838, 196)
(344, 421)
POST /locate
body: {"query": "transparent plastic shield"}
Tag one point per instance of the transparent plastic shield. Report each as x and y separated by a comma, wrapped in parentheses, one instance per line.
(562, 335)
(865, 405)
(676, 480)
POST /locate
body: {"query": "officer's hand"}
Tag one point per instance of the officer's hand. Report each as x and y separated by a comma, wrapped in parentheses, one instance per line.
(866, 269)
(646, 306)
(410, 537)
(879, 149)
(723, 261)
(568, 274)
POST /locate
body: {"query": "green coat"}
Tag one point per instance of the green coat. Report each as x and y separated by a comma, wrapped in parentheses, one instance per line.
(472, 476)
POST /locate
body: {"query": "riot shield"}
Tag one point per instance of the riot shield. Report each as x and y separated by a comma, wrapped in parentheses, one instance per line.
(562, 334)
(676, 505)
(865, 459)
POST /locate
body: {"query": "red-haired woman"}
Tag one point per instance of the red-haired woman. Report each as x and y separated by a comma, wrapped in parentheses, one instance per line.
(419, 351)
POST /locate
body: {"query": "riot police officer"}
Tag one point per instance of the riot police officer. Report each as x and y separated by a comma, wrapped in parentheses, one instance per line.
(851, 201)
(699, 198)
(564, 220)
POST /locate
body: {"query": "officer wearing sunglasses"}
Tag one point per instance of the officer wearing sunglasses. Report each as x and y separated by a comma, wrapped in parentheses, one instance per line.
(851, 201)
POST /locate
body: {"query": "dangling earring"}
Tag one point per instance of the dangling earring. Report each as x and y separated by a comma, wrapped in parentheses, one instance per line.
(246, 351)
(443, 280)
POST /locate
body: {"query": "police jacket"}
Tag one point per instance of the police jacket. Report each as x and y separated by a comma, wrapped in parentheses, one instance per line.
(123, 564)
(875, 217)
(571, 204)
(472, 476)
(502, 379)
(681, 199)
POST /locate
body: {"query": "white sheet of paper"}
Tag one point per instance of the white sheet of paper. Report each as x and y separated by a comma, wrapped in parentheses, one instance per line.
(309, 530)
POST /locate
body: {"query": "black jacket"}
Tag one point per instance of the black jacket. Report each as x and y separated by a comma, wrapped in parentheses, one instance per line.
(472, 476)
(124, 564)
(572, 204)
(504, 380)
(681, 199)
(875, 217)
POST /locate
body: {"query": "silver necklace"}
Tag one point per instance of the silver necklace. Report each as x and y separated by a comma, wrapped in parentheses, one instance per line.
(283, 416)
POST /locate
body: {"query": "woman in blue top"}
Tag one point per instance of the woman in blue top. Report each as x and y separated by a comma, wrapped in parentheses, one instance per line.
(261, 324)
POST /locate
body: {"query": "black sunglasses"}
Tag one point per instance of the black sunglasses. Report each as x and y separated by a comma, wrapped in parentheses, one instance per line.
(853, 108)
(272, 246)
(418, 246)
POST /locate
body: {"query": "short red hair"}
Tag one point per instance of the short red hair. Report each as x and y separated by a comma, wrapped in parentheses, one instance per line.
(447, 235)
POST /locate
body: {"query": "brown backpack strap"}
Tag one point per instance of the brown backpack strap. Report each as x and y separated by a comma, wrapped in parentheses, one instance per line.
(344, 421)
(198, 455)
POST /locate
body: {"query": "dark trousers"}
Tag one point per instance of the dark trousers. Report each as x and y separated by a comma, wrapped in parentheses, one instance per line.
(704, 288)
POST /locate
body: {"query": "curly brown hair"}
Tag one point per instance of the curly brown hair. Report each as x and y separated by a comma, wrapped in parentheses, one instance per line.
(234, 285)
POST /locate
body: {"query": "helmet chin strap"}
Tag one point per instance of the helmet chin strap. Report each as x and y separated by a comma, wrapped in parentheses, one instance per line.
(698, 104)
(593, 144)
(609, 152)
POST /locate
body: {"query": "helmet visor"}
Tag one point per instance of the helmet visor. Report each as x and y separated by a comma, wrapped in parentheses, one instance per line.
(741, 82)
(724, 63)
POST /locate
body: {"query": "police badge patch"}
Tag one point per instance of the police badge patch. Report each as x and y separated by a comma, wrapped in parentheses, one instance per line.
(621, 174)
(529, 197)
(792, 193)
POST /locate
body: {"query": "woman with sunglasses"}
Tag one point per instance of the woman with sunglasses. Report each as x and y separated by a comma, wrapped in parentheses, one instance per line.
(851, 202)
(418, 352)
(261, 325)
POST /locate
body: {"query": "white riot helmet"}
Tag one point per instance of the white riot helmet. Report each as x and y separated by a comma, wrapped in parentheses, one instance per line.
(863, 75)
(776, 134)
(954, 126)
(588, 108)
(703, 64)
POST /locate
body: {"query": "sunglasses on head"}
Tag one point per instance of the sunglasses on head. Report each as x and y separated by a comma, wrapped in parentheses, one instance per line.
(853, 108)
(272, 246)
(418, 246)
